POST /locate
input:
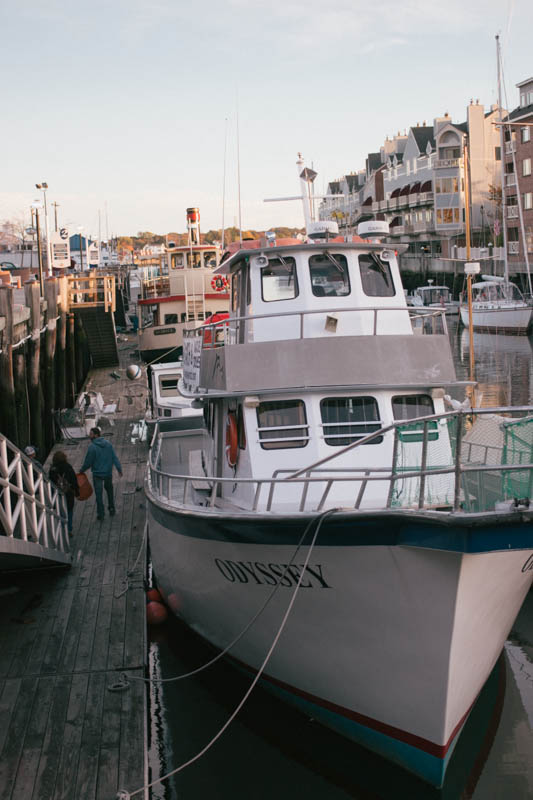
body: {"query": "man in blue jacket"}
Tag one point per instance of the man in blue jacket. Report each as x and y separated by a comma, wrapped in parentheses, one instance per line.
(100, 458)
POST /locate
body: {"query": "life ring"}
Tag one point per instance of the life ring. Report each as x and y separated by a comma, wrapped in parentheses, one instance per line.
(219, 283)
(232, 439)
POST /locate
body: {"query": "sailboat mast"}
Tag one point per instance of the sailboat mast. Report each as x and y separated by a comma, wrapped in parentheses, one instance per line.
(502, 160)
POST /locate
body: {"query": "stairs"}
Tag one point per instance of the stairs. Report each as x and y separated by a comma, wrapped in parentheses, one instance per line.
(99, 327)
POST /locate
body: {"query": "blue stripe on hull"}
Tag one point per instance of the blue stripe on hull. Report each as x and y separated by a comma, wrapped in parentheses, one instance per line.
(483, 534)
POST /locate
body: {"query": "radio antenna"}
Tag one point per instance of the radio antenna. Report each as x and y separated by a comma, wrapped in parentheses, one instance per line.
(239, 172)
(224, 182)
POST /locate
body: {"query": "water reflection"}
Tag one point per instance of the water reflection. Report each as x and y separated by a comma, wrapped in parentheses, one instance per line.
(503, 366)
(272, 750)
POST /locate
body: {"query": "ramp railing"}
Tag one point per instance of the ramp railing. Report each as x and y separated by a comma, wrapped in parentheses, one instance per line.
(32, 509)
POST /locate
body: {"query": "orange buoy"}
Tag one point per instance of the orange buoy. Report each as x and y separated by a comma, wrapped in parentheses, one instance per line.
(174, 603)
(156, 613)
(154, 594)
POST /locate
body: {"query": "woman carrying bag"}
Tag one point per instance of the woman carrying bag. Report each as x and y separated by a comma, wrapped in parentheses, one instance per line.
(64, 477)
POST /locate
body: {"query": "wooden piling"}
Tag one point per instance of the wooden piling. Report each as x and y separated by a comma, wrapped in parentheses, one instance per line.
(71, 361)
(61, 345)
(35, 394)
(21, 395)
(50, 293)
(7, 385)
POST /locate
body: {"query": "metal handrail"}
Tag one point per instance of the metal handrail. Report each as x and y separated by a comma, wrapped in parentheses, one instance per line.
(228, 324)
(361, 475)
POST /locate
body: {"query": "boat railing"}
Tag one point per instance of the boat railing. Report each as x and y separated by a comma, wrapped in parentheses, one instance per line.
(32, 509)
(424, 320)
(439, 462)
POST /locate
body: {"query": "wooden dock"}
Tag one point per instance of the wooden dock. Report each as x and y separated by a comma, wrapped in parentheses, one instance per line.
(66, 635)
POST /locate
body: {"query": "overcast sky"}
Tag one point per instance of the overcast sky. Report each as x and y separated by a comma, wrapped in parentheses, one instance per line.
(123, 104)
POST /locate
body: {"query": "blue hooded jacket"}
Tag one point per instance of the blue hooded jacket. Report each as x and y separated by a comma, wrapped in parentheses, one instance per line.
(100, 458)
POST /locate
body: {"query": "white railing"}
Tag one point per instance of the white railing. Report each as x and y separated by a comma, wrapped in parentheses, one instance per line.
(514, 248)
(32, 509)
(226, 332)
(443, 163)
(512, 212)
(510, 147)
(479, 475)
(510, 179)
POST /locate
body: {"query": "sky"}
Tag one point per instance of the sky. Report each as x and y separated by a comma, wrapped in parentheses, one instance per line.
(128, 109)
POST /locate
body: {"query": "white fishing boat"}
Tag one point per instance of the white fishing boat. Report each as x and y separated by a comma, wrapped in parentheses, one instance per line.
(189, 293)
(433, 296)
(328, 523)
(497, 305)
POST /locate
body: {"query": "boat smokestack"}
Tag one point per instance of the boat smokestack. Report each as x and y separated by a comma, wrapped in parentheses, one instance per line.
(193, 225)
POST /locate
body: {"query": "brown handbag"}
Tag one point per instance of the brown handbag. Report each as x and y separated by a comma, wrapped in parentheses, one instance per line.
(85, 489)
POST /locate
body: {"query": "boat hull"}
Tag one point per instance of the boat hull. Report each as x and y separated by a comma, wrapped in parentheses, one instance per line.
(503, 320)
(391, 637)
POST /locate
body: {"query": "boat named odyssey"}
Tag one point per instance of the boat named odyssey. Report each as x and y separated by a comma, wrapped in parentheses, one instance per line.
(328, 481)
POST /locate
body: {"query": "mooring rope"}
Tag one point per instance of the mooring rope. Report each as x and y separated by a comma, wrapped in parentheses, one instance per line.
(123, 794)
(222, 653)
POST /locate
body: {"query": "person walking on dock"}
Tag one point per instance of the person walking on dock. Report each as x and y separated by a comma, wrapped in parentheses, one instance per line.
(64, 477)
(100, 459)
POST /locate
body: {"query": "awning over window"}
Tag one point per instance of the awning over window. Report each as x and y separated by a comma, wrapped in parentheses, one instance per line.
(395, 193)
(368, 201)
(396, 221)
(415, 188)
(404, 190)
(426, 187)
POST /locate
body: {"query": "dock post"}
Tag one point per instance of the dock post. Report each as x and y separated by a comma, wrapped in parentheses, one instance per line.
(21, 394)
(7, 384)
(50, 293)
(35, 393)
(61, 355)
(71, 361)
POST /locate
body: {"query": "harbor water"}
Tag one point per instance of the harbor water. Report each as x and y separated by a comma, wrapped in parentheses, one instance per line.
(270, 750)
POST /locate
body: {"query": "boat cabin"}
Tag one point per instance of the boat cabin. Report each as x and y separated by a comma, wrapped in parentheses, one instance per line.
(319, 352)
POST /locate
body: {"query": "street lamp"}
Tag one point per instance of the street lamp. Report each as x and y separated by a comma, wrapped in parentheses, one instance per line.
(35, 207)
(43, 186)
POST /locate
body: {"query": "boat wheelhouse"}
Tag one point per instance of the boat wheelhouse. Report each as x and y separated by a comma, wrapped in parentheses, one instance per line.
(166, 400)
(328, 473)
(188, 293)
(435, 297)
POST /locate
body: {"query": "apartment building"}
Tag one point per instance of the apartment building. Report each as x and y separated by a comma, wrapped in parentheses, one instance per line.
(518, 189)
(417, 184)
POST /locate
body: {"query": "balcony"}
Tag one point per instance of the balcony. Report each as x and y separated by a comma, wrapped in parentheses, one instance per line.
(512, 212)
(446, 163)
(424, 227)
(397, 230)
(510, 148)
(375, 207)
(513, 248)
(383, 205)
(510, 179)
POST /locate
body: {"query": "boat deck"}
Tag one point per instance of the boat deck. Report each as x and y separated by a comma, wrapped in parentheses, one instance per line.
(66, 635)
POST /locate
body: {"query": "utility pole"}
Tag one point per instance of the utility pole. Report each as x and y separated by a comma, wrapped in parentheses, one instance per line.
(39, 250)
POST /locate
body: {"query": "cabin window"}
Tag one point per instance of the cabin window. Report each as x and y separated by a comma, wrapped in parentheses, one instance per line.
(194, 259)
(411, 406)
(329, 275)
(278, 280)
(347, 419)
(282, 424)
(168, 386)
(171, 319)
(376, 276)
(176, 261)
(210, 258)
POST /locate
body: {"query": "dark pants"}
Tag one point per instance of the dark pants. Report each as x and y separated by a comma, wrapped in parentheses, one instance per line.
(102, 482)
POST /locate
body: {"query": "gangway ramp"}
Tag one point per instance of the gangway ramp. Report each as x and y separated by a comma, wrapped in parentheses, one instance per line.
(33, 529)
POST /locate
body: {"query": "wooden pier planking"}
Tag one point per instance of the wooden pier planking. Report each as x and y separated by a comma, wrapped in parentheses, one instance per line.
(67, 634)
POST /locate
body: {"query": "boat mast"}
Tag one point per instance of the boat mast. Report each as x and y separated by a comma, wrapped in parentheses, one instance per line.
(466, 170)
(502, 160)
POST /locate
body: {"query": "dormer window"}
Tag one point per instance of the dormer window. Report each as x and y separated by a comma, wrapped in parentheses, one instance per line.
(329, 275)
(279, 280)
